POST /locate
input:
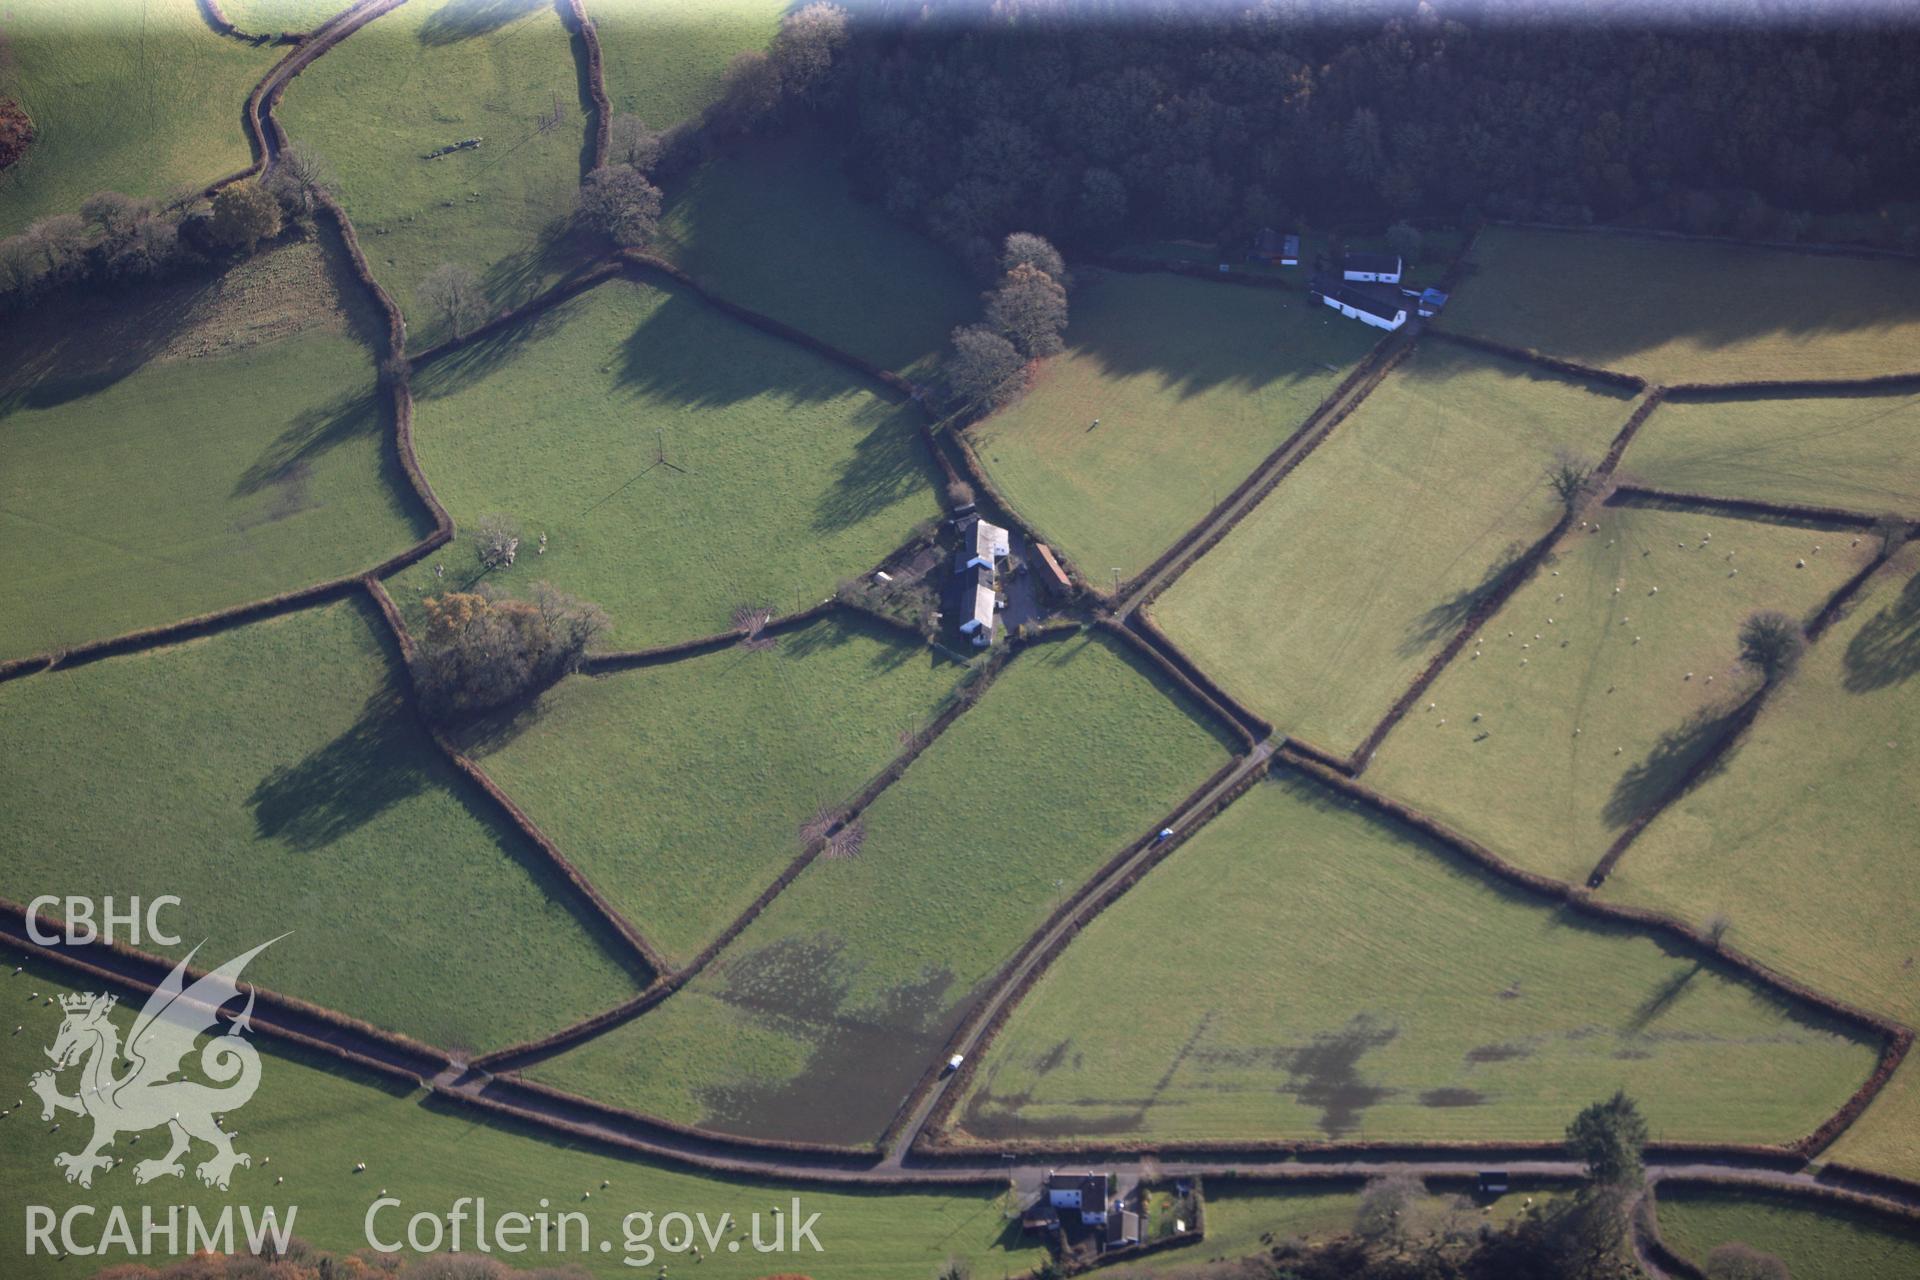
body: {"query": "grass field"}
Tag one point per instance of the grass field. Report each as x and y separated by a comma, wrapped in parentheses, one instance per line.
(141, 101)
(429, 74)
(314, 1125)
(1854, 452)
(1325, 602)
(1438, 250)
(269, 17)
(774, 227)
(1886, 1139)
(681, 790)
(817, 1020)
(1817, 1241)
(1401, 994)
(272, 778)
(1691, 311)
(1546, 762)
(1193, 385)
(782, 473)
(1804, 840)
(664, 58)
(214, 442)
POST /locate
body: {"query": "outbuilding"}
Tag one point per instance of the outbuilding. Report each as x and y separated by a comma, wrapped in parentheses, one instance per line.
(1275, 248)
(980, 601)
(1431, 300)
(1051, 573)
(1368, 306)
(1372, 268)
(986, 544)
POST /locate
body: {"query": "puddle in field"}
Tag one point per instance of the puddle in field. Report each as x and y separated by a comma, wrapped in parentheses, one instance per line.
(1326, 1074)
(1498, 1052)
(1452, 1098)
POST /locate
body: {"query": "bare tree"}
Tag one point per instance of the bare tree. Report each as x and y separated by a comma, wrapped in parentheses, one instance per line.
(454, 293)
(753, 620)
(496, 540)
(298, 179)
(482, 652)
(1386, 1206)
(1572, 478)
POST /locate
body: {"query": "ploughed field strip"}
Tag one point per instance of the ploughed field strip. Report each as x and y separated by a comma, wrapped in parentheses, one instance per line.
(141, 116)
(1357, 981)
(1326, 601)
(774, 227)
(1580, 705)
(1817, 1240)
(1803, 840)
(680, 463)
(313, 1120)
(219, 440)
(1691, 311)
(274, 778)
(682, 790)
(664, 59)
(817, 1020)
(1192, 386)
(1858, 452)
(431, 74)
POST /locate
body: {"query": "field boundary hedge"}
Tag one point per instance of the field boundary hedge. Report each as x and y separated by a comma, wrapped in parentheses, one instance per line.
(1817, 248)
(1744, 508)
(217, 18)
(279, 1014)
(1798, 386)
(1901, 1211)
(1147, 636)
(976, 474)
(1099, 892)
(573, 14)
(1528, 355)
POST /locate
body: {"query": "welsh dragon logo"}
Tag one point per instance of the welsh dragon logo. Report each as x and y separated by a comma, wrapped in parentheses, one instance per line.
(132, 1089)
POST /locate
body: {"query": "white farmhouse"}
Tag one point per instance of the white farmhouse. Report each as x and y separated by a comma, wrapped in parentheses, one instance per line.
(1084, 1192)
(1380, 309)
(1372, 268)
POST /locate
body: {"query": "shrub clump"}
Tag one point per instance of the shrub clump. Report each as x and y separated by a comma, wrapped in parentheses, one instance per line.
(483, 652)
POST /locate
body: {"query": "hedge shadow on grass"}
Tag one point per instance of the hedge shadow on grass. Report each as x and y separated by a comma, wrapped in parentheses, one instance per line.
(461, 20)
(1886, 650)
(1649, 783)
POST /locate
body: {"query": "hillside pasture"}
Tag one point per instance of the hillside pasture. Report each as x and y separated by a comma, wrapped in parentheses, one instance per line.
(664, 58)
(1608, 675)
(1856, 452)
(1816, 1239)
(1690, 310)
(775, 227)
(1330, 975)
(314, 1119)
(270, 17)
(1803, 841)
(682, 790)
(429, 74)
(141, 100)
(1324, 603)
(193, 447)
(1192, 384)
(274, 779)
(1886, 1137)
(816, 1021)
(681, 464)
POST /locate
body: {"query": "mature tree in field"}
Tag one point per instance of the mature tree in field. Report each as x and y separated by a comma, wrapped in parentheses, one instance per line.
(619, 203)
(805, 48)
(1893, 531)
(453, 292)
(1025, 248)
(1385, 1206)
(298, 178)
(984, 370)
(1405, 239)
(1572, 478)
(1030, 308)
(631, 143)
(1772, 644)
(244, 214)
(60, 241)
(960, 494)
(1608, 1138)
(111, 214)
(482, 651)
(496, 541)
(1737, 1261)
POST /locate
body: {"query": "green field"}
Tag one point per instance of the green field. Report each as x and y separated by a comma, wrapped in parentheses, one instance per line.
(817, 1020)
(1327, 975)
(681, 790)
(774, 227)
(215, 441)
(310, 1126)
(270, 17)
(1804, 840)
(1578, 713)
(426, 75)
(1325, 602)
(141, 101)
(1817, 1240)
(1852, 451)
(1691, 311)
(782, 473)
(1193, 385)
(664, 58)
(272, 778)
(1886, 1139)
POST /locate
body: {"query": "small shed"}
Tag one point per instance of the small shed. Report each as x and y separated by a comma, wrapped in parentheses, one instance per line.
(1431, 300)
(1040, 1219)
(1051, 574)
(1493, 1182)
(1372, 268)
(1123, 1228)
(1275, 248)
(980, 602)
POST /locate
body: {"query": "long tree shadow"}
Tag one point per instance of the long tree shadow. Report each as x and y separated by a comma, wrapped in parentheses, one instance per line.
(688, 352)
(1662, 998)
(77, 346)
(889, 464)
(1446, 618)
(1886, 650)
(311, 434)
(517, 278)
(490, 352)
(465, 19)
(1650, 781)
(347, 783)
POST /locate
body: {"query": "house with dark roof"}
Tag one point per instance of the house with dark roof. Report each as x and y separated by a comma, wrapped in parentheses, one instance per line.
(1372, 268)
(1084, 1193)
(1382, 309)
(1275, 248)
(1123, 1229)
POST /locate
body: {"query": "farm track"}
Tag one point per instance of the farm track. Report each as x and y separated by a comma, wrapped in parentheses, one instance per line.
(903, 1163)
